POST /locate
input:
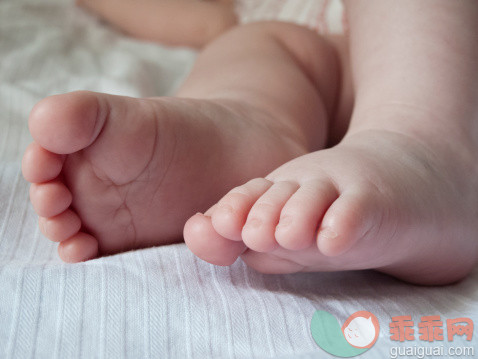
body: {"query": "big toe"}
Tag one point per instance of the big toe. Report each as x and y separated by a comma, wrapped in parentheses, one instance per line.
(351, 222)
(67, 123)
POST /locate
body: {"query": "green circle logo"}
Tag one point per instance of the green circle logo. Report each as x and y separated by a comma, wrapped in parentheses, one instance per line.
(357, 335)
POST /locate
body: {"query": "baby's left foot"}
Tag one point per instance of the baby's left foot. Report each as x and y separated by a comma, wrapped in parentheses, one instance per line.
(379, 199)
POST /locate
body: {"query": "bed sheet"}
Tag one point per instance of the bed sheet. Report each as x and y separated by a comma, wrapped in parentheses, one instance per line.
(160, 302)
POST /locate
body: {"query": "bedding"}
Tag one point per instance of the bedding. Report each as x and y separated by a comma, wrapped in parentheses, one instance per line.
(163, 302)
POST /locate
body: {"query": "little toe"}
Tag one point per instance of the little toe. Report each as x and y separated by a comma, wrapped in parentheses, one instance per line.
(40, 165)
(258, 232)
(78, 248)
(230, 213)
(350, 218)
(60, 227)
(50, 199)
(301, 215)
(202, 239)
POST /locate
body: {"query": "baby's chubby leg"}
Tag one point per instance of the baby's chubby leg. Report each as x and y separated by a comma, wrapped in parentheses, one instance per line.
(190, 23)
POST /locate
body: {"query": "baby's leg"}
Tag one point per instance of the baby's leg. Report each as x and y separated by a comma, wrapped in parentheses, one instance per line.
(113, 173)
(399, 193)
(191, 23)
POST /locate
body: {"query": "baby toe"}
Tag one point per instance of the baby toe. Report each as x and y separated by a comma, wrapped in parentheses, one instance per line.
(40, 165)
(231, 211)
(351, 217)
(60, 227)
(202, 239)
(258, 232)
(69, 122)
(78, 248)
(301, 215)
(50, 199)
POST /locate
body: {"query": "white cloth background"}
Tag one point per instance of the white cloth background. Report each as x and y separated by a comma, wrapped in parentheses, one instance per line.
(159, 302)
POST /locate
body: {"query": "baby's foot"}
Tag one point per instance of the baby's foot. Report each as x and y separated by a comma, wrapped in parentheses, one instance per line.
(113, 173)
(377, 200)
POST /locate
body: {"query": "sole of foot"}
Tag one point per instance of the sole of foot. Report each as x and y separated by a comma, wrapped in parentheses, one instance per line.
(112, 173)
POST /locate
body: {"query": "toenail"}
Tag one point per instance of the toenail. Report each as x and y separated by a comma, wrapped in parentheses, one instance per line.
(254, 222)
(226, 208)
(327, 233)
(285, 221)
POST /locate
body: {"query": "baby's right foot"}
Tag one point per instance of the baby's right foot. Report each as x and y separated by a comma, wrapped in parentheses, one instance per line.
(113, 173)
(404, 204)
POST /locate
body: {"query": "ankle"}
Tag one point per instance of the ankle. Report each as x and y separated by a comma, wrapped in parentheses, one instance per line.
(417, 121)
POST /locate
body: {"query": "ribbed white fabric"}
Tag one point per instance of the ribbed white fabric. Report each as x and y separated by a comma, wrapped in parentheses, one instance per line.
(159, 302)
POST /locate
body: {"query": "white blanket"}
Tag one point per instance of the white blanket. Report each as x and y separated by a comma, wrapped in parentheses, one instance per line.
(159, 302)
